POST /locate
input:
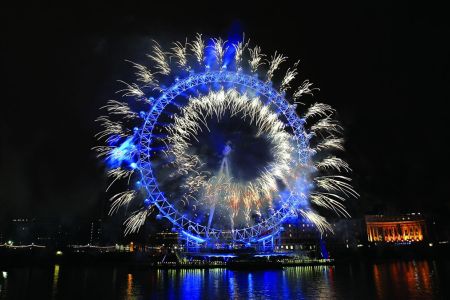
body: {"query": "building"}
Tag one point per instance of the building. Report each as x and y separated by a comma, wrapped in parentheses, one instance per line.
(347, 233)
(409, 228)
(165, 238)
(95, 233)
(299, 236)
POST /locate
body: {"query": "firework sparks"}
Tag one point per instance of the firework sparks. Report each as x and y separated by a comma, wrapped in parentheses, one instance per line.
(290, 75)
(330, 201)
(304, 88)
(120, 200)
(274, 64)
(333, 162)
(160, 59)
(131, 90)
(256, 58)
(136, 220)
(198, 48)
(193, 119)
(336, 184)
(103, 151)
(144, 75)
(319, 109)
(219, 49)
(330, 143)
(320, 222)
(117, 174)
(180, 53)
(130, 144)
(239, 49)
(111, 129)
(327, 124)
(118, 108)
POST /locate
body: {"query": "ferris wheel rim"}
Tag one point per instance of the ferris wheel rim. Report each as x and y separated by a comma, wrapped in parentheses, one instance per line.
(157, 197)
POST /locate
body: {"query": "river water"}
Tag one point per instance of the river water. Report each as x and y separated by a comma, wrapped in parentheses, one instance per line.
(385, 280)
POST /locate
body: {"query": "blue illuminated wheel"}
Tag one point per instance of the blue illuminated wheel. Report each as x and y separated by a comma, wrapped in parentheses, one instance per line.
(186, 225)
(218, 150)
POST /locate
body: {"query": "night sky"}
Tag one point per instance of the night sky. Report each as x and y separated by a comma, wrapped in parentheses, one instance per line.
(385, 69)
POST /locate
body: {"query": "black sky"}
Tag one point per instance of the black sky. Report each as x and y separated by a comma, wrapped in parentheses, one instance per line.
(384, 68)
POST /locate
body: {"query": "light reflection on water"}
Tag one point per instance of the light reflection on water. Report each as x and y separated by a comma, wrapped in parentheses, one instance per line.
(55, 281)
(398, 280)
(417, 278)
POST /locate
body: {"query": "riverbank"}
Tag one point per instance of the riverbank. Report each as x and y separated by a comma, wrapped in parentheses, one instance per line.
(169, 260)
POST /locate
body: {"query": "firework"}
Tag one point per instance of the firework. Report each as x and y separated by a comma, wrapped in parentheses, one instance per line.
(193, 119)
(177, 146)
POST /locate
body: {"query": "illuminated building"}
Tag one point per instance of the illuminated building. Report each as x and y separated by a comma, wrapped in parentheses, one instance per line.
(165, 238)
(396, 229)
(95, 232)
(300, 237)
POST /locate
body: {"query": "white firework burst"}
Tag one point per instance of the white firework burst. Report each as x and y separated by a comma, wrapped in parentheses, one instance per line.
(319, 109)
(328, 125)
(180, 53)
(219, 47)
(256, 58)
(144, 75)
(239, 49)
(111, 129)
(123, 127)
(193, 119)
(160, 58)
(136, 220)
(320, 222)
(198, 48)
(333, 162)
(131, 90)
(274, 64)
(118, 173)
(330, 143)
(303, 89)
(118, 108)
(120, 200)
(290, 75)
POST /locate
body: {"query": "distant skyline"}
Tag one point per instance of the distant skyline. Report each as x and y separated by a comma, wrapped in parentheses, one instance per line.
(385, 69)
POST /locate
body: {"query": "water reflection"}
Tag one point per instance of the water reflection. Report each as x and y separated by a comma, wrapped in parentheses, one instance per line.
(55, 281)
(3, 281)
(250, 285)
(405, 279)
(399, 280)
(129, 286)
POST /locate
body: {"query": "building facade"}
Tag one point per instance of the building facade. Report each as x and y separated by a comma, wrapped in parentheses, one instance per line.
(396, 229)
(300, 237)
